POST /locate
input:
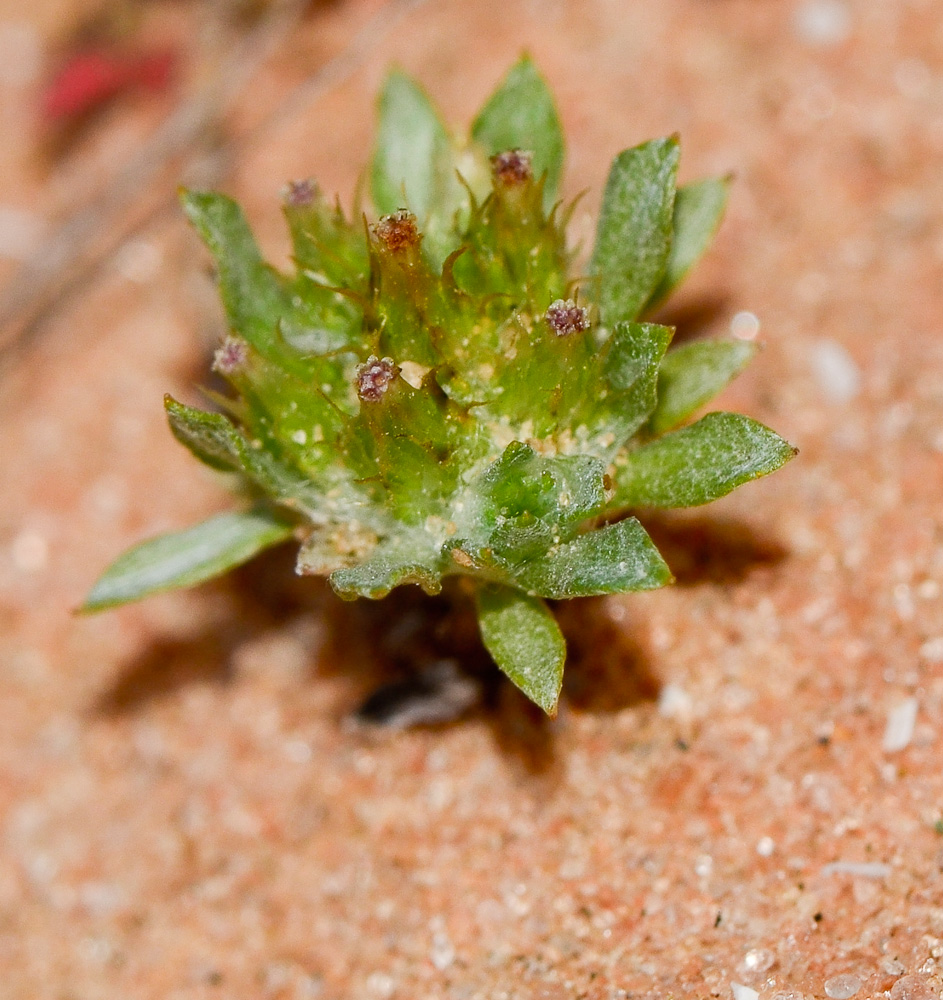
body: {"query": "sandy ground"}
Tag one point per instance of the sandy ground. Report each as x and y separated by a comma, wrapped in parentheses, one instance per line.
(736, 790)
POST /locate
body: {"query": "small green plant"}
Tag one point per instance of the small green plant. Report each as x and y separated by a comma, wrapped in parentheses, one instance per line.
(436, 390)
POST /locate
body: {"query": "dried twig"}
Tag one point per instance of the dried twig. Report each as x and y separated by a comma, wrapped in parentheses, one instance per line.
(66, 263)
(72, 247)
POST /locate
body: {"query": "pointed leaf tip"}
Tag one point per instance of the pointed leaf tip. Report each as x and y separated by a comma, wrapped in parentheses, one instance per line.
(633, 238)
(412, 161)
(215, 440)
(521, 114)
(188, 557)
(250, 289)
(525, 641)
(700, 463)
(210, 437)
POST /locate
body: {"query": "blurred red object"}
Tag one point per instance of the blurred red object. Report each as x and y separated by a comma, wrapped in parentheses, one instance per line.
(92, 77)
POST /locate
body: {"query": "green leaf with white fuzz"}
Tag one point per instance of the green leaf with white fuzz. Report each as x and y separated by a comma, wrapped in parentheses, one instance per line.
(699, 463)
(627, 393)
(560, 491)
(523, 637)
(521, 114)
(523, 505)
(633, 238)
(389, 565)
(416, 164)
(214, 440)
(698, 210)
(693, 374)
(614, 559)
(413, 158)
(210, 437)
(325, 245)
(250, 288)
(188, 557)
(263, 307)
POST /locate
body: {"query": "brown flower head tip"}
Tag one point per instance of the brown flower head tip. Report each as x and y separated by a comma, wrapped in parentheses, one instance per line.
(512, 167)
(397, 231)
(300, 193)
(374, 377)
(230, 356)
(565, 317)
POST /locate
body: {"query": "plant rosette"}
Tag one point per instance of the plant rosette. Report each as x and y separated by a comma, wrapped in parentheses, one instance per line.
(437, 390)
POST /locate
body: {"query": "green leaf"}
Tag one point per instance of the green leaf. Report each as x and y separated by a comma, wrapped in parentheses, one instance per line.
(251, 290)
(187, 557)
(210, 437)
(633, 238)
(563, 488)
(700, 463)
(217, 442)
(286, 418)
(413, 442)
(521, 114)
(610, 560)
(282, 320)
(692, 375)
(390, 564)
(525, 641)
(698, 209)
(524, 502)
(413, 162)
(618, 394)
(324, 243)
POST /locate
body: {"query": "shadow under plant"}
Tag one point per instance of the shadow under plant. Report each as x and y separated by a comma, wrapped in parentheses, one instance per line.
(419, 660)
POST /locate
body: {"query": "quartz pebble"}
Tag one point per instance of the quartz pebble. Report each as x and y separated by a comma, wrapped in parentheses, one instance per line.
(900, 726)
(758, 960)
(912, 988)
(932, 650)
(442, 953)
(836, 372)
(863, 869)
(842, 987)
(381, 985)
(745, 326)
(822, 22)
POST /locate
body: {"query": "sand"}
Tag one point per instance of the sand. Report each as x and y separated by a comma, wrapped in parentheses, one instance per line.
(743, 789)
